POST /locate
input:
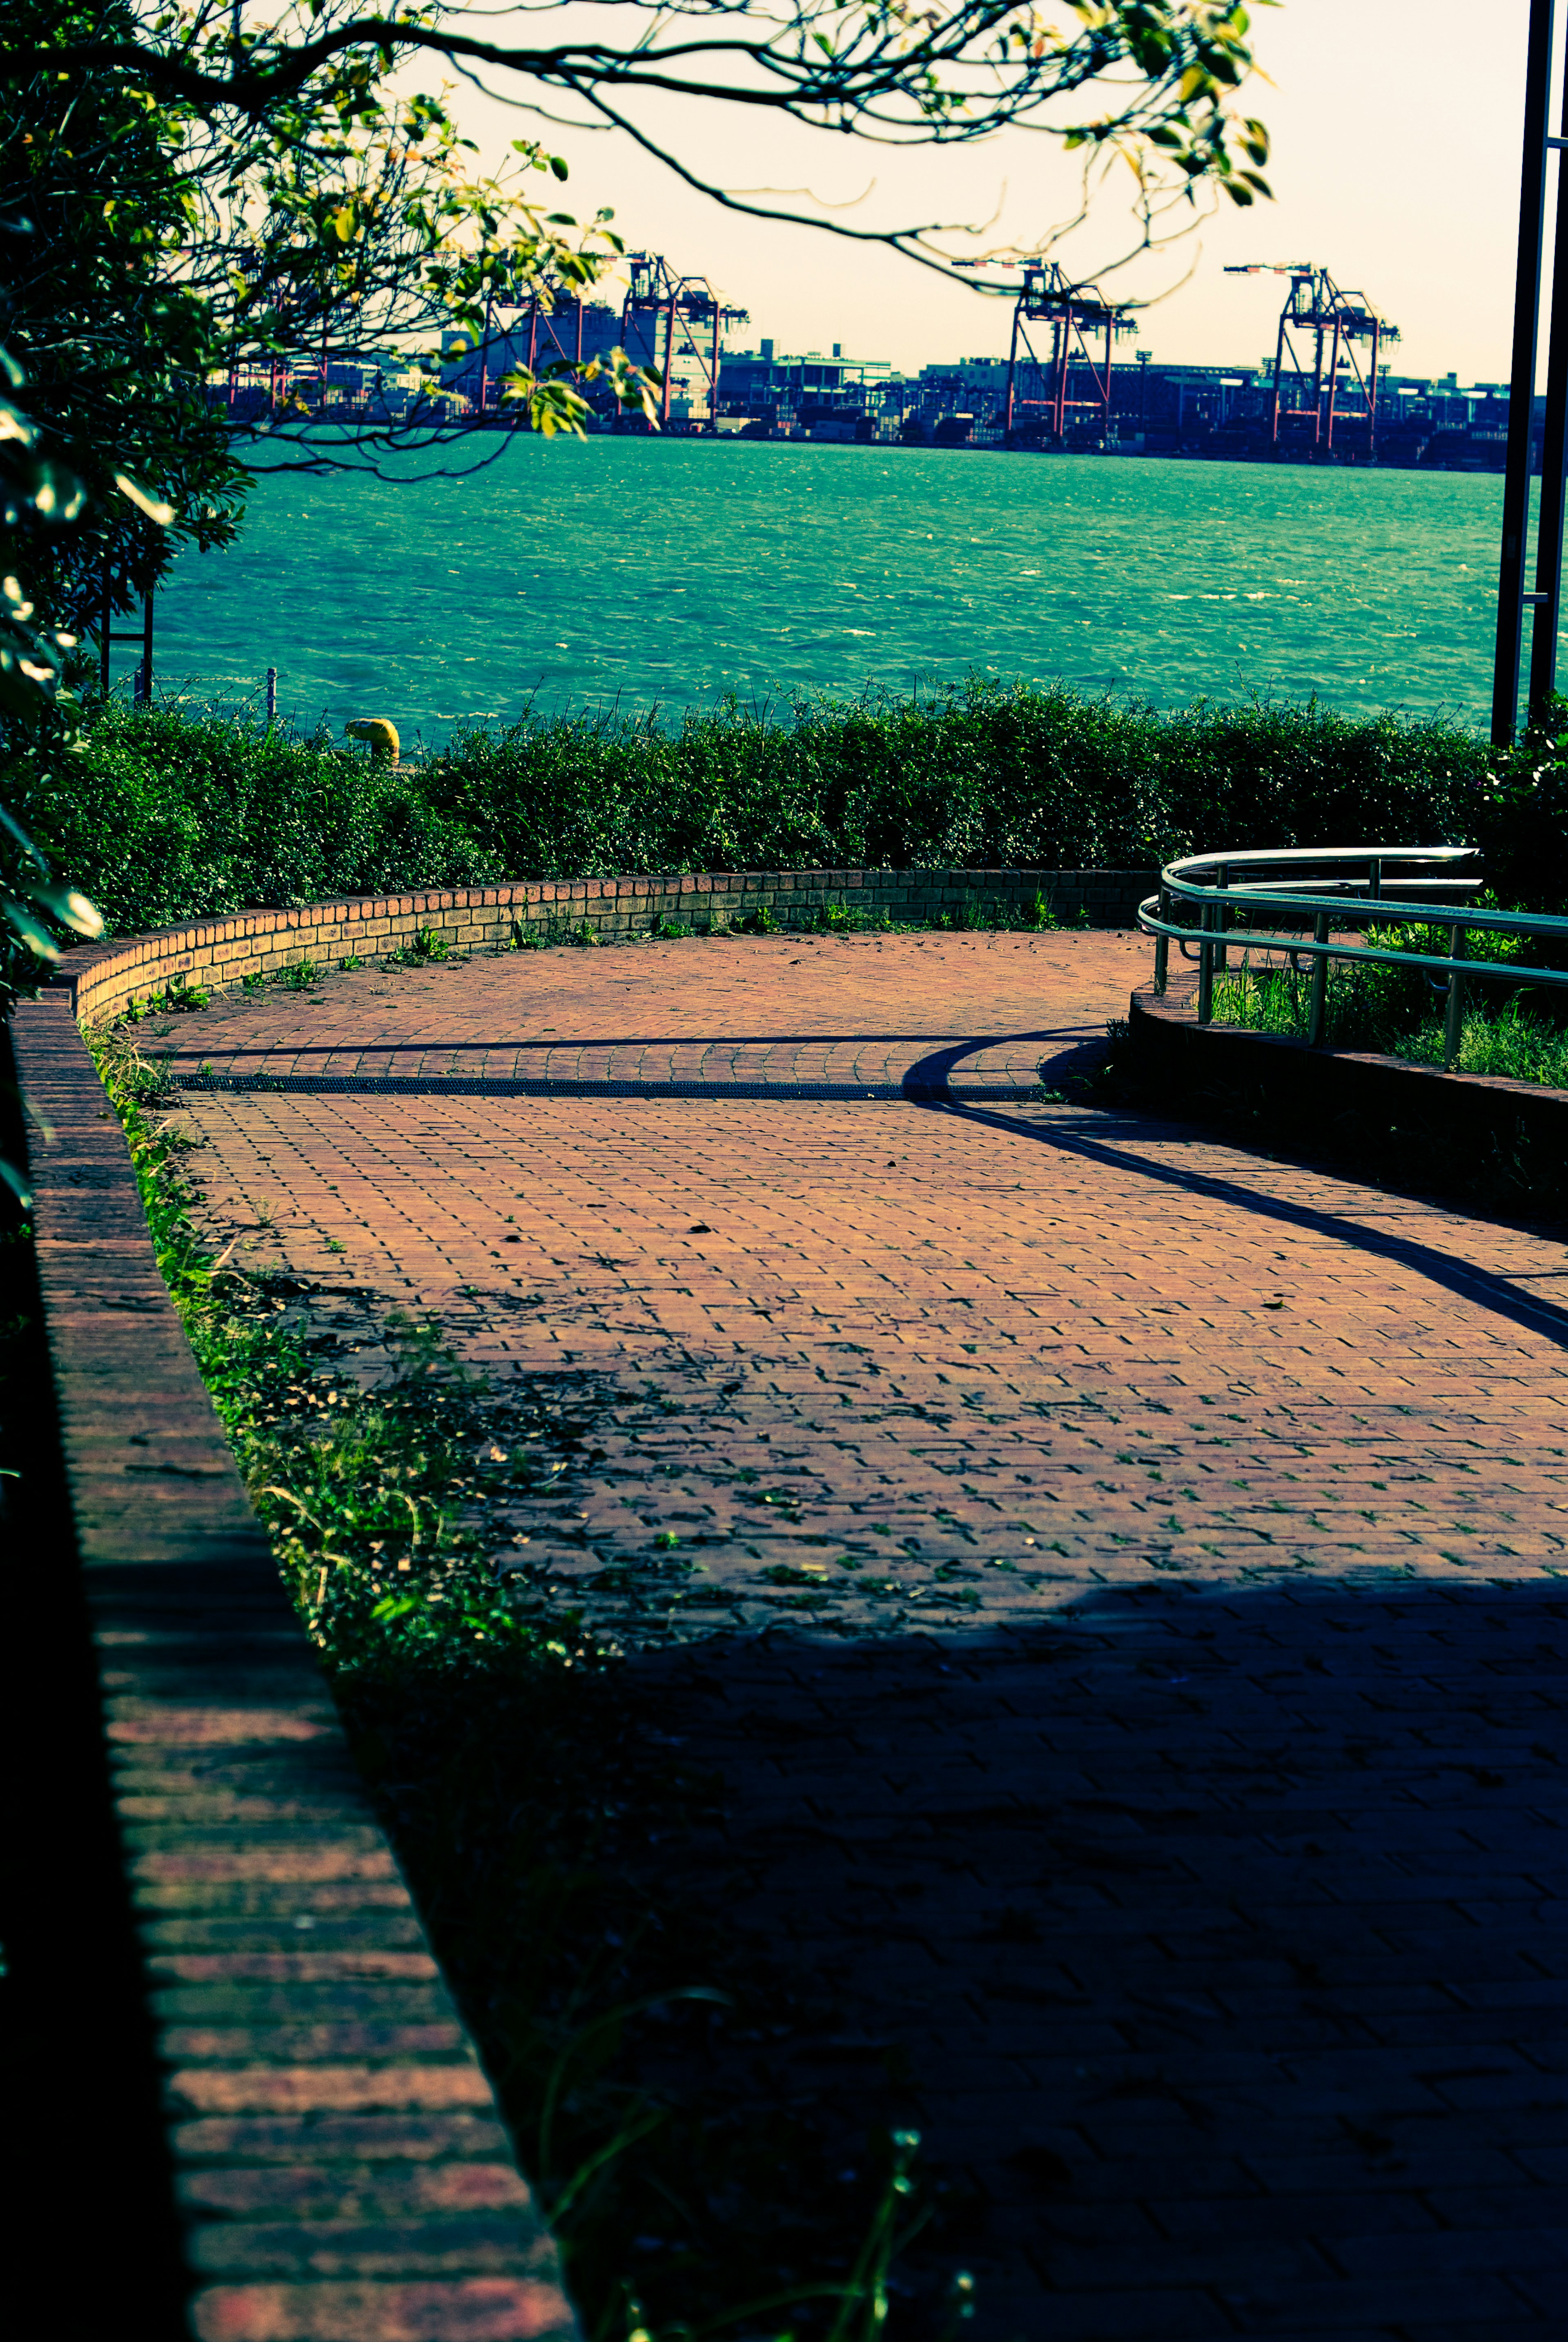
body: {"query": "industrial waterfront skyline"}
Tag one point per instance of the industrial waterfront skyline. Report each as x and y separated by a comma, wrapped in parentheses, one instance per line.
(1362, 103)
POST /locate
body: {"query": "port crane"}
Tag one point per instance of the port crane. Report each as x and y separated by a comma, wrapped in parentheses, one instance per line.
(683, 304)
(1073, 312)
(1316, 305)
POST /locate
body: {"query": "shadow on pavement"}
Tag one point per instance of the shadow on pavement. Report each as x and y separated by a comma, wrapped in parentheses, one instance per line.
(1482, 1286)
(1210, 1938)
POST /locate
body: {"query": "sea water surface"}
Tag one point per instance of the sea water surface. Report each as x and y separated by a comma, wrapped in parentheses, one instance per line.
(668, 574)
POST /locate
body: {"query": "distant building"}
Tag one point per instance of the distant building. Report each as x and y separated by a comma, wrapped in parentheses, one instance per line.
(816, 396)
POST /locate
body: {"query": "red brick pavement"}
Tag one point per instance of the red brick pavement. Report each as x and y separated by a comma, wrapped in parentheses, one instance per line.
(780, 1012)
(1146, 1565)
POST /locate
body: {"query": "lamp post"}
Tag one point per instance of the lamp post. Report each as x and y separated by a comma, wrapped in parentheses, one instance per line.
(1543, 602)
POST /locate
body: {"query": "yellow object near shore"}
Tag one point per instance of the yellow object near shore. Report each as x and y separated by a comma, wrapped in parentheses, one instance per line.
(385, 745)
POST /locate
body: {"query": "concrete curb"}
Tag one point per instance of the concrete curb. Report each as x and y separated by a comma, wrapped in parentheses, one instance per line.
(340, 2167)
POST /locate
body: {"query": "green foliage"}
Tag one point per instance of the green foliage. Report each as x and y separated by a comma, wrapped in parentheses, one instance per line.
(1397, 1012)
(1510, 1043)
(177, 998)
(980, 774)
(1365, 1005)
(113, 339)
(426, 945)
(181, 816)
(151, 245)
(176, 818)
(1523, 820)
(1157, 81)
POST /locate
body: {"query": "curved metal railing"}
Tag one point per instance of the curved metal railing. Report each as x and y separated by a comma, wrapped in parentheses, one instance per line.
(1426, 884)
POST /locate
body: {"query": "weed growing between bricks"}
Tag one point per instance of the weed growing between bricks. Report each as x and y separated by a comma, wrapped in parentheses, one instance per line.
(642, 2051)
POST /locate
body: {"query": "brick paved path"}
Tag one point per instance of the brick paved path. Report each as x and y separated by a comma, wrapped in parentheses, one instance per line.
(1139, 1566)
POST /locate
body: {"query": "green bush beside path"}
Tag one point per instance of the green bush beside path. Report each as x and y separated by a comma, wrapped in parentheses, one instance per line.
(173, 813)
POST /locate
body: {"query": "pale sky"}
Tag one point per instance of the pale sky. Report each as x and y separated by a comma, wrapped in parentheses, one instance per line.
(1397, 131)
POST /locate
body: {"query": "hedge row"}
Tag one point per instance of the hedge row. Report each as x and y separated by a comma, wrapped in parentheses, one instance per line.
(170, 814)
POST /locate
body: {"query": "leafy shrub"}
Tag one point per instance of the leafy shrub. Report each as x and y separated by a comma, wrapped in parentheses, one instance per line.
(169, 815)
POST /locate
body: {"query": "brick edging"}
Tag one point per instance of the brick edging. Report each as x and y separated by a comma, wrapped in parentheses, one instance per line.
(103, 978)
(342, 2171)
(1180, 1054)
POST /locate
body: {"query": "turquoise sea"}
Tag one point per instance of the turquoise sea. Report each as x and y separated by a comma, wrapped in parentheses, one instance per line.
(671, 573)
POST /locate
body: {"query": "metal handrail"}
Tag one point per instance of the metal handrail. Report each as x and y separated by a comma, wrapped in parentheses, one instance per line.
(1332, 877)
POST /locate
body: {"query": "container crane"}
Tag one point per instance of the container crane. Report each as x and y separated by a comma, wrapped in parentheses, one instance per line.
(1073, 312)
(682, 303)
(1316, 305)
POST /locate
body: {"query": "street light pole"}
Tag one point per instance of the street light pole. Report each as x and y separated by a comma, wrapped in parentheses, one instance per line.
(1511, 594)
(1548, 596)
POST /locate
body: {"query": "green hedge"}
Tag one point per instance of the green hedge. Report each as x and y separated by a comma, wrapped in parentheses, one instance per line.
(171, 814)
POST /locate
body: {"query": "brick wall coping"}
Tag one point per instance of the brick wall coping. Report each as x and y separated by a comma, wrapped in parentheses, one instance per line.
(101, 979)
(1179, 1053)
(340, 2167)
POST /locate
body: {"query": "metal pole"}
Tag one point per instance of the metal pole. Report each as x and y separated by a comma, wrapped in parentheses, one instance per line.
(271, 696)
(1547, 598)
(1522, 378)
(669, 358)
(147, 645)
(1332, 379)
(1454, 1022)
(1279, 363)
(1012, 372)
(106, 620)
(1205, 972)
(1317, 1009)
(1372, 395)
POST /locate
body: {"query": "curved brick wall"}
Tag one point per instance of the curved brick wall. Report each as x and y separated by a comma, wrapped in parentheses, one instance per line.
(103, 978)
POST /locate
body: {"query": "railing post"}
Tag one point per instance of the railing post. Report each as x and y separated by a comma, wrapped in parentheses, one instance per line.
(1161, 950)
(1222, 917)
(1207, 968)
(1318, 1004)
(1453, 1021)
(1374, 882)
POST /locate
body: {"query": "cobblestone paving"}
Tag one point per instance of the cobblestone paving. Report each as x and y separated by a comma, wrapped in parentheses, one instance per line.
(1119, 1576)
